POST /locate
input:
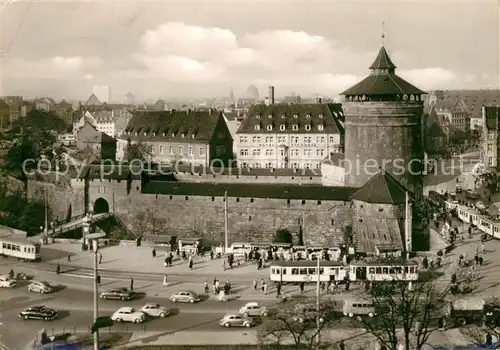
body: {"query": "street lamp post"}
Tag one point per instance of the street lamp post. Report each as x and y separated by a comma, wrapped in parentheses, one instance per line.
(318, 322)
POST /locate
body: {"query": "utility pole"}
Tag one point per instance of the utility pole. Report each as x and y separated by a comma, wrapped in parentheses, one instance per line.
(407, 237)
(46, 228)
(225, 224)
(96, 294)
(318, 322)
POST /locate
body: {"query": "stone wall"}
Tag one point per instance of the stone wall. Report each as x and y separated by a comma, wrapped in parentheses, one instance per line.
(59, 197)
(249, 220)
(11, 183)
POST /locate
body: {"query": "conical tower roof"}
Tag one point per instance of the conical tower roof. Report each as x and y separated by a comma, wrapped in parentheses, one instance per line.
(383, 61)
(382, 188)
(383, 80)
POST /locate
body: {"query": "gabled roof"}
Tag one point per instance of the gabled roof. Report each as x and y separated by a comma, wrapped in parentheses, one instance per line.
(313, 114)
(93, 101)
(186, 126)
(473, 99)
(382, 61)
(381, 189)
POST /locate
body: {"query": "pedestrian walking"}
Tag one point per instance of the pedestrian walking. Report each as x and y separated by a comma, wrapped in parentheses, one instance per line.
(153, 252)
(191, 264)
(278, 289)
(58, 269)
(98, 279)
(100, 258)
(262, 284)
(165, 280)
(217, 286)
(131, 284)
(482, 248)
(341, 345)
(481, 260)
(255, 284)
(265, 288)
(206, 287)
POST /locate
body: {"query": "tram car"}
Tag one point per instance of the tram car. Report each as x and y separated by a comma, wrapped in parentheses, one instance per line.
(380, 272)
(331, 271)
(297, 271)
(19, 248)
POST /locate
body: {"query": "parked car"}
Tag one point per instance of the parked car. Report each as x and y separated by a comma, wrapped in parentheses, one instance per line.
(458, 188)
(232, 320)
(472, 194)
(253, 309)
(40, 287)
(128, 314)
(38, 313)
(306, 313)
(155, 310)
(7, 282)
(353, 308)
(118, 294)
(185, 297)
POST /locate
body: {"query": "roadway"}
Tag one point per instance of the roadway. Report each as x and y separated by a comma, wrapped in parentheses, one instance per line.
(75, 309)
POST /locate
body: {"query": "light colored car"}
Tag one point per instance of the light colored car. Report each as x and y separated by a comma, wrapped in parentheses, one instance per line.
(253, 309)
(7, 282)
(40, 287)
(128, 314)
(155, 310)
(233, 320)
(185, 297)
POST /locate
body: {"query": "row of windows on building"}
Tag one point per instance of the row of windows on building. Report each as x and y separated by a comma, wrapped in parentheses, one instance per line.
(252, 200)
(295, 116)
(180, 150)
(295, 127)
(271, 165)
(320, 152)
(284, 139)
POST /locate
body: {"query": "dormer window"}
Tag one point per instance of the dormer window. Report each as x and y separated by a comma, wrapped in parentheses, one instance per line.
(163, 134)
(282, 127)
(257, 127)
(283, 116)
(320, 127)
(192, 136)
(295, 116)
(154, 134)
(269, 127)
(308, 127)
(295, 127)
(308, 116)
(136, 133)
(182, 135)
(173, 134)
(270, 116)
(257, 116)
(320, 116)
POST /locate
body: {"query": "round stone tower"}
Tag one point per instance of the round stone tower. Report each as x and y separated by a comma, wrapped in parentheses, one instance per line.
(383, 127)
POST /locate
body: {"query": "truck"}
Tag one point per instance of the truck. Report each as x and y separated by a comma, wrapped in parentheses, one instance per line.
(472, 310)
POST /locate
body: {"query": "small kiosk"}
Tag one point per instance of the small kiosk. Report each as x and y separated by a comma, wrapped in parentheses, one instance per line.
(191, 246)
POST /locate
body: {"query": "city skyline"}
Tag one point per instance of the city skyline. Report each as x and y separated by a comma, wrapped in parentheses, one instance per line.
(193, 50)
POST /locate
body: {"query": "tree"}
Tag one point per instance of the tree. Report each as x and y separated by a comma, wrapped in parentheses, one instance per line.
(481, 334)
(38, 132)
(140, 223)
(17, 212)
(403, 314)
(139, 151)
(297, 322)
(283, 236)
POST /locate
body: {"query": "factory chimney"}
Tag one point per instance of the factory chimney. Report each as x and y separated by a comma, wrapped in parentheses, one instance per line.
(271, 95)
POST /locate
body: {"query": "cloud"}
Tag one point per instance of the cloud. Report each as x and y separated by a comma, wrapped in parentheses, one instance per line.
(430, 78)
(52, 67)
(291, 60)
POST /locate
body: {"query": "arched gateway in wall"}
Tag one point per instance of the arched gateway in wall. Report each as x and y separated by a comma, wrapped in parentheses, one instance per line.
(101, 206)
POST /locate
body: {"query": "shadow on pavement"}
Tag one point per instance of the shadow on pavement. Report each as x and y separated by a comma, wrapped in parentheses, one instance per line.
(63, 314)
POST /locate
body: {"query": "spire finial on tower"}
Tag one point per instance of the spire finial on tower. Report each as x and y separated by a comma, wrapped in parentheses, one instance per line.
(383, 32)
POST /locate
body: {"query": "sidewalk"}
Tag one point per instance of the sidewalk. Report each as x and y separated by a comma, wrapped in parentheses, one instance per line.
(132, 259)
(355, 339)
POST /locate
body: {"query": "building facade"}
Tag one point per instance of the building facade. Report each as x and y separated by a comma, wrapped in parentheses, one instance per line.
(188, 137)
(101, 145)
(64, 111)
(383, 127)
(490, 142)
(289, 136)
(105, 122)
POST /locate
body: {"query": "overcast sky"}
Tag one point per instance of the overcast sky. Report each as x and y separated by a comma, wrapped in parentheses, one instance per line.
(202, 48)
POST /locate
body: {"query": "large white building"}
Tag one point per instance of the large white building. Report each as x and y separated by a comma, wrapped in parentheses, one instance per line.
(102, 92)
(289, 136)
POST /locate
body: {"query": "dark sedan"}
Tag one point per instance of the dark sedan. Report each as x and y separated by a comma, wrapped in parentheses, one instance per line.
(38, 313)
(118, 294)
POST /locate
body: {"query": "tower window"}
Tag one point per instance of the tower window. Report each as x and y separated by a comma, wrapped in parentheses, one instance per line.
(295, 127)
(282, 127)
(269, 127)
(308, 127)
